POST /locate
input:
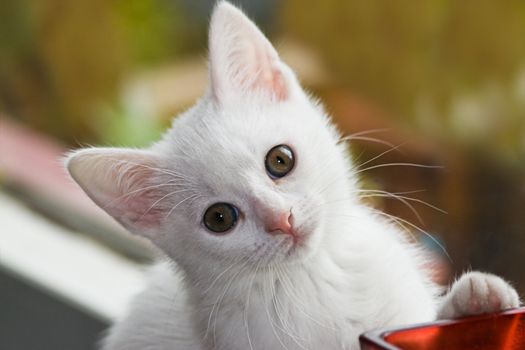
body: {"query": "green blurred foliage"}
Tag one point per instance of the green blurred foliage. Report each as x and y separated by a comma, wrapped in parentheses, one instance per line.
(126, 128)
(63, 62)
(447, 67)
(52, 67)
(153, 30)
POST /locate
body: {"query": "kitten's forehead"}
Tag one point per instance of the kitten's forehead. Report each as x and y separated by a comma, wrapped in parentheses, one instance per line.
(224, 149)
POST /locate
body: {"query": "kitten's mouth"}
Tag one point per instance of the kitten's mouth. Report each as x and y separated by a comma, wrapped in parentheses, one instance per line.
(292, 249)
(296, 241)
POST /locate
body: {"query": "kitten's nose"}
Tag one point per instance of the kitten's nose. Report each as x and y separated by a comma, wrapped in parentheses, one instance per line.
(281, 222)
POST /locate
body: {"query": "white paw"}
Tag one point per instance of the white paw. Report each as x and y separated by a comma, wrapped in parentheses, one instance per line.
(478, 293)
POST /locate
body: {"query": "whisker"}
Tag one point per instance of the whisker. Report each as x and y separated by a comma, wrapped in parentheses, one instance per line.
(241, 270)
(288, 290)
(277, 305)
(160, 199)
(270, 318)
(218, 301)
(399, 195)
(400, 199)
(247, 305)
(220, 275)
(364, 132)
(383, 153)
(169, 183)
(182, 201)
(415, 165)
(160, 170)
(417, 228)
(365, 138)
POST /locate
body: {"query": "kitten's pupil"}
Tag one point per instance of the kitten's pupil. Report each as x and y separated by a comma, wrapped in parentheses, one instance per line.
(279, 161)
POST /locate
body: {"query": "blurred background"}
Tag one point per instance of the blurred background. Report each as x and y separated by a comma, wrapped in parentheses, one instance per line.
(434, 82)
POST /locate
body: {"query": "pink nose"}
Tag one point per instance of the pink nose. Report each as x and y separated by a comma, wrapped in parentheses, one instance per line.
(280, 222)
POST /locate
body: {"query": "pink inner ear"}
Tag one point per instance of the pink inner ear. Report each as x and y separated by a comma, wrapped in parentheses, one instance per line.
(127, 184)
(138, 202)
(275, 83)
(270, 78)
(143, 210)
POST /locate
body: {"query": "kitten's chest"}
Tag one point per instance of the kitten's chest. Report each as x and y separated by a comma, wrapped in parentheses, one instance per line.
(282, 314)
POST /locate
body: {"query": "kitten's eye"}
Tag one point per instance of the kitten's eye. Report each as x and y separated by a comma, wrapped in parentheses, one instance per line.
(279, 161)
(220, 217)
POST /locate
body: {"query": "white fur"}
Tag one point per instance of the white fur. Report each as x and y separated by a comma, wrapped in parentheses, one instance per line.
(247, 289)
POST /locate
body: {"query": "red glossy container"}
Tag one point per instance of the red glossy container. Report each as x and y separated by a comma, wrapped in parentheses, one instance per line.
(503, 331)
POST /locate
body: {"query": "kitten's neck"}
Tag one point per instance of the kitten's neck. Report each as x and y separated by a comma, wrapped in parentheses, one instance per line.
(232, 281)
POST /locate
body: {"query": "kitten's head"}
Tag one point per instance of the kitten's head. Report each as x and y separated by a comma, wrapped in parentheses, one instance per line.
(250, 173)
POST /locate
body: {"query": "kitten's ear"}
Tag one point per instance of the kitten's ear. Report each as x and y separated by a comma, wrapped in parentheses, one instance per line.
(123, 182)
(242, 59)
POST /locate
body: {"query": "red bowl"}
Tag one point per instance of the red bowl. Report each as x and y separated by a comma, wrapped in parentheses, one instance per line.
(502, 331)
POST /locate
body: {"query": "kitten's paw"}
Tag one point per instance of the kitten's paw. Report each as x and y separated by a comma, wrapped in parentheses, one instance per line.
(478, 293)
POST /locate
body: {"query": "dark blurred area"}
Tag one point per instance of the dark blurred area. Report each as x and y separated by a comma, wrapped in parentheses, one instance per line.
(435, 83)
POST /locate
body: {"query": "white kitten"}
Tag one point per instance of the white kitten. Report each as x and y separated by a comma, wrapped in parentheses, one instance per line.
(269, 247)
